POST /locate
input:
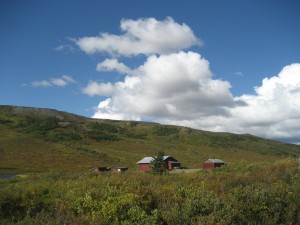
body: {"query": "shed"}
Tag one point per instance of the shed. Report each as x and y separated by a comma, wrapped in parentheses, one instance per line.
(102, 169)
(213, 163)
(144, 164)
(119, 169)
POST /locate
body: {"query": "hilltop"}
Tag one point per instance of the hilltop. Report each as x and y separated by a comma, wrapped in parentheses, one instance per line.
(37, 139)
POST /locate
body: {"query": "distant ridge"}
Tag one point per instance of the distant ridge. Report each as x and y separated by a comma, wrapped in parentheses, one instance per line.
(38, 139)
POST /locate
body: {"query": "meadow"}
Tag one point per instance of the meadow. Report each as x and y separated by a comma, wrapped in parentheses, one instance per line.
(56, 153)
(240, 193)
(45, 140)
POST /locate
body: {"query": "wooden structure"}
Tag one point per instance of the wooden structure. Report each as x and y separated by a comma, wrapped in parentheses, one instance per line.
(144, 164)
(119, 169)
(102, 169)
(213, 163)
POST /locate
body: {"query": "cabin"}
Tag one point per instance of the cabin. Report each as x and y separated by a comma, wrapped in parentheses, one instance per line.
(102, 169)
(119, 169)
(171, 163)
(213, 163)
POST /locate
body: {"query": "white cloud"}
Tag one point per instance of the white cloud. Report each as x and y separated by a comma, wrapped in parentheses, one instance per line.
(43, 83)
(239, 73)
(69, 79)
(59, 82)
(101, 89)
(67, 47)
(273, 112)
(180, 89)
(113, 64)
(143, 36)
(177, 86)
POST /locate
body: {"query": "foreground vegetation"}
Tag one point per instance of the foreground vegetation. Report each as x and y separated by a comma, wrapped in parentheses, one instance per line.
(240, 193)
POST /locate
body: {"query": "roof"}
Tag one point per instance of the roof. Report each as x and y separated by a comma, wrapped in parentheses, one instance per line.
(215, 160)
(149, 159)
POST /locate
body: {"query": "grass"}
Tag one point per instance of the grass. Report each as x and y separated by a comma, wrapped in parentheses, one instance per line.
(38, 140)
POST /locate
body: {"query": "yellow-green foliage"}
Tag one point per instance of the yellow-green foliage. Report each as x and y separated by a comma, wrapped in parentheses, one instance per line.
(237, 194)
(38, 140)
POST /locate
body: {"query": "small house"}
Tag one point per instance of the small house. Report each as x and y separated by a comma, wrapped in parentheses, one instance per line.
(144, 164)
(213, 163)
(119, 169)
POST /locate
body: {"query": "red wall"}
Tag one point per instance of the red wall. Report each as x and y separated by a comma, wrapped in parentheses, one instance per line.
(144, 167)
(208, 166)
(211, 165)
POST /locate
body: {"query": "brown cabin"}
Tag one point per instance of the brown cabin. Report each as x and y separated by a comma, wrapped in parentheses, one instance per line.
(213, 163)
(144, 164)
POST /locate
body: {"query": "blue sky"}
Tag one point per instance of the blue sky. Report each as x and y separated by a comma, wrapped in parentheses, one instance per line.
(45, 61)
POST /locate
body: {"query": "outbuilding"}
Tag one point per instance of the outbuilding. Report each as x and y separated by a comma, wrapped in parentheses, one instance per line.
(102, 169)
(119, 169)
(213, 163)
(144, 164)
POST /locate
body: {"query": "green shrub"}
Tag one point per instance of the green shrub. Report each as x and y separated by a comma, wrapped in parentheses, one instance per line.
(102, 136)
(163, 130)
(259, 194)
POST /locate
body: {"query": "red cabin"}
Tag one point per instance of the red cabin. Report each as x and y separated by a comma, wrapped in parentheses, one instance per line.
(213, 163)
(144, 164)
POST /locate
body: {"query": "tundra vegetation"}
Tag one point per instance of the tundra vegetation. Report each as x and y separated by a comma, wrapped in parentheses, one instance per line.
(56, 152)
(256, 193)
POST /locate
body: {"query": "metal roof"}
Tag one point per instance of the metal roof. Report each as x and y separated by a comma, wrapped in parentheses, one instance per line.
(216, 160)
(149, 159)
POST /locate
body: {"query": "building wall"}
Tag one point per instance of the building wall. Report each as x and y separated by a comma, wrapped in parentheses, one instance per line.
(172, 164)
(144, 167)
(208, 165)
(211, 165)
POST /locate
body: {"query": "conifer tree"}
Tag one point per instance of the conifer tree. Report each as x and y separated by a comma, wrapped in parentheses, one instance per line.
(158, 164)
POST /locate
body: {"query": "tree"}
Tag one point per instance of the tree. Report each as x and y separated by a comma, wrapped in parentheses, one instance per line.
(158, 164)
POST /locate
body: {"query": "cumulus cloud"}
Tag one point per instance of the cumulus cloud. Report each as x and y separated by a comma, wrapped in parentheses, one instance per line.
(178, 86)
(275, 109)
(143, 36)
(187, 94)
(273, 112)
(59, 82)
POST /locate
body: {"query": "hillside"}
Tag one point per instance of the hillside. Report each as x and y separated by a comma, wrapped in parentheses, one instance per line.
(36, 140)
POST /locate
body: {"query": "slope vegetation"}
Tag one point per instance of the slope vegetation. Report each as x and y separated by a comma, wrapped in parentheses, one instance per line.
(36, 140)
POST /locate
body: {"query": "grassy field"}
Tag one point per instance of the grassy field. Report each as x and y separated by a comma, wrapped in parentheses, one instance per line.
(41, 140)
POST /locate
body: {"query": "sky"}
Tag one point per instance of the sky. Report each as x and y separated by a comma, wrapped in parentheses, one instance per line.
(225, 66)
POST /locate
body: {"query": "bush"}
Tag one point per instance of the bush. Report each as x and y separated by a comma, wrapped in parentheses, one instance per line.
(266, 194)
(102, 136)
(163, 130)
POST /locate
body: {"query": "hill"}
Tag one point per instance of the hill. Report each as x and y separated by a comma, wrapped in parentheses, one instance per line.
(36, 140)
